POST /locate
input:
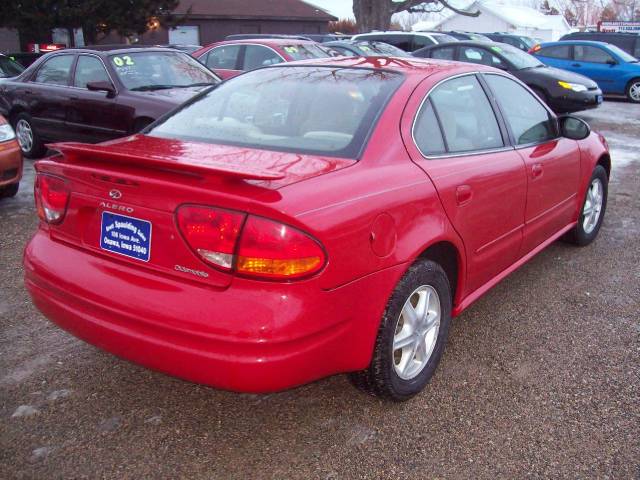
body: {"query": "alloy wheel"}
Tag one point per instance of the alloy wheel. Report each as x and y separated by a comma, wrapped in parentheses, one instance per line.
(416, 332)
(25, 135)
(634, 92)
(592, 206)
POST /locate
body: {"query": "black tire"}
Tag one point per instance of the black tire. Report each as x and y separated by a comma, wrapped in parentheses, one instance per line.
(37, 149)
(635, 83)
(9, 190)
(579, 236)
(380, 378)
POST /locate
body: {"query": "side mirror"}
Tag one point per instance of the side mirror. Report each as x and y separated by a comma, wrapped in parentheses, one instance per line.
(573, 127)
(611, 62)
(102, 86)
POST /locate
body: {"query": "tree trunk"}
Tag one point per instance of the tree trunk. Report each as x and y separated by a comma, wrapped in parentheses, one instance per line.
(372, 14)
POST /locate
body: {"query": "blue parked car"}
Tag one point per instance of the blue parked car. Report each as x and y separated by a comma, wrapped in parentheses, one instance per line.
(612, 68)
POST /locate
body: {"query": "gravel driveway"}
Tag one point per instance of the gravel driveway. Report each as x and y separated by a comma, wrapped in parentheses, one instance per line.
(541, 378)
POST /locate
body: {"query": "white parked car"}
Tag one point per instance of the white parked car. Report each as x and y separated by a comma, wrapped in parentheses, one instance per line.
(407, 41)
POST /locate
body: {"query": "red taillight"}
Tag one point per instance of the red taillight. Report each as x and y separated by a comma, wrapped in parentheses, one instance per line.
(535, 48)
(259, 248)
(274, 250)
(211, 232)
(52, 196)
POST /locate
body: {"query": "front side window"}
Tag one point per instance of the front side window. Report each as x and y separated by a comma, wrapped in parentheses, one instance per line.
(89, 69)
(224, 57)
(465, 114)
(519, 59)
(479, 55)
(56, 70)
(256, 56)
(141, 71)
(445, 53)
(419, 41)
(315, 110)
(583, 53)
(562, 52)
(529, 121)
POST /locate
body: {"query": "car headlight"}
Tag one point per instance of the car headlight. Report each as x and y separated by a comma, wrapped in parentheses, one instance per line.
(576, 87)
(6, 133)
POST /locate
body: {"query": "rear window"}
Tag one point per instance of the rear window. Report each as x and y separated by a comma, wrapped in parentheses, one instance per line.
(305, 51)
(316, 110)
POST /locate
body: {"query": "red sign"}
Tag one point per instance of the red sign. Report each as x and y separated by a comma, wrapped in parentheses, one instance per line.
(44, 47)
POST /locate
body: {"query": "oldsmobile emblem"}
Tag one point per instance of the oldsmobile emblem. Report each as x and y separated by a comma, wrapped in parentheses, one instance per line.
(115, 194)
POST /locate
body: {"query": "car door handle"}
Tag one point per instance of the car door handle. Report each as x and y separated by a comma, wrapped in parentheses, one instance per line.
(73, 97)
(576, 65)
(463, 194)
(536, 170)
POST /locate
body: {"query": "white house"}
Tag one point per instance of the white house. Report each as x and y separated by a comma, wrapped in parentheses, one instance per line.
(495, 17)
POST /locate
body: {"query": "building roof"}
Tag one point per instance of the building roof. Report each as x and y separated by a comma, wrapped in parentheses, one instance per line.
(523, 17)
(252, 9)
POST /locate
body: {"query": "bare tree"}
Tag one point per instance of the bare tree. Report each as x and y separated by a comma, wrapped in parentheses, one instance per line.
(376, 14)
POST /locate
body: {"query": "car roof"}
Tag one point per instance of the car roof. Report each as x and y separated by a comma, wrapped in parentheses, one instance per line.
(396, 32)
(409, 66)
(576, 42)
(110, 49)
(267, 41)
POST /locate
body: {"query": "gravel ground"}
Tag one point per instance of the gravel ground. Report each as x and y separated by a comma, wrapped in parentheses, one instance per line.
(541, 378)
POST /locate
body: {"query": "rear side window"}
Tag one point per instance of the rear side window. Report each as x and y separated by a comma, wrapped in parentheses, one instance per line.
(256, 56)
(426, 132)
(558, 51)
(56, 70)
(419, 41)
(445, 53)
(305, 51)
(530, 122)
(224, 57)
(479, 55)
(89, 69)
(465, 114)
(584, 53)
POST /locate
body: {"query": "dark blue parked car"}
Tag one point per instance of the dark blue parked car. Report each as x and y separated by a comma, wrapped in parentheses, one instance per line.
(612, 68)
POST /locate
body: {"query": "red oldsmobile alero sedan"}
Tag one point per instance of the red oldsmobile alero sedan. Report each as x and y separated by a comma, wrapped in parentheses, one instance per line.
(232, 57)
(309, 219)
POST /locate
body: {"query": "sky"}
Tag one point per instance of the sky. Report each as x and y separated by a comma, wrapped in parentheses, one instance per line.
(338, 8)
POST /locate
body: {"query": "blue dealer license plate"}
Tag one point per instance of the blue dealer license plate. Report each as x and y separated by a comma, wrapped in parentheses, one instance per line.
(126, 236)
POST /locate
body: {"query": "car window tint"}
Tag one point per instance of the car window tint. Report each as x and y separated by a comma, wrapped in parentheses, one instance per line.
(89, 69)
(445, 53)
(419, 41)
(427, 133)
(466, 116)
(530, 122)
(224, 57)
(583, 53)
(479, 55)
(256, 56)
(9, 68)
(56, 70)
(558, 51)
(344, 52)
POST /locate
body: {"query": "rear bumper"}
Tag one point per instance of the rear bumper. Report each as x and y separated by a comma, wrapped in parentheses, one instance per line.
(10, 163)
(250, 337)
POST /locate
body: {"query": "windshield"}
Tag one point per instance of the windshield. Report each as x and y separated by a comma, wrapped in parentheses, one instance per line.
(624, 56)
(316, 110)
(158, 70)
(305, 51)
(9, 68)
(517, 57)
(376, 49)
(527, 41)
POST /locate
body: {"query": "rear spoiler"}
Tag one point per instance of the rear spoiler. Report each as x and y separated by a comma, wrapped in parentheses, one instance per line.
(77, 152)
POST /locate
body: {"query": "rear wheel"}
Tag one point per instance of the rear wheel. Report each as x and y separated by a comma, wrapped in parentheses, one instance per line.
(28, 139)
(633, 90)
(411, 336)
(593, 208)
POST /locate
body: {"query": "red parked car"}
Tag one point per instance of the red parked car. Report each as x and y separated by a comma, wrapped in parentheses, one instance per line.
(232, 57)
(10, 160)
(309, 219)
